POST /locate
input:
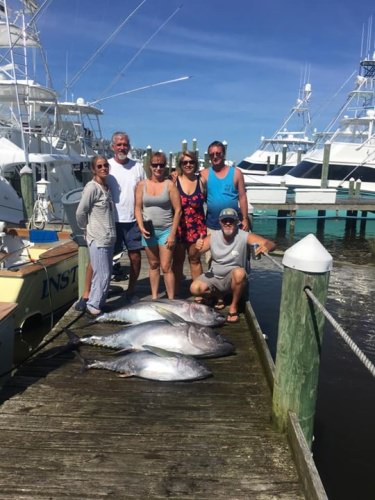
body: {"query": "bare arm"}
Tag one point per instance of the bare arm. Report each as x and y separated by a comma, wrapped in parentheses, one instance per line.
(265, 245)
(239, 182)
(138, 208)
(176, 204)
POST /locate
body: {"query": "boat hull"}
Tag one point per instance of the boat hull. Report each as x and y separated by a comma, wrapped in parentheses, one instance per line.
(45, 284)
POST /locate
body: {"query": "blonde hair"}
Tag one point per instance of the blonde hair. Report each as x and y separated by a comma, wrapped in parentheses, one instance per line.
(190, 154)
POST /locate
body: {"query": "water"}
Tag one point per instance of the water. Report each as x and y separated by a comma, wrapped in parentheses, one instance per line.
(344, 431)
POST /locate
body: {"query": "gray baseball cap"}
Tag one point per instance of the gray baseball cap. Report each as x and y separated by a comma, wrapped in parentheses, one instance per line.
(228, 213)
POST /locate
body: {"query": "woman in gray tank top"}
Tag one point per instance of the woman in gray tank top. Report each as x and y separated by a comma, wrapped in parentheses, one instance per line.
(158, 212)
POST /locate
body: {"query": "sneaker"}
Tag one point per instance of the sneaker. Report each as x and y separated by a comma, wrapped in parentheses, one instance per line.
(93, 311)
(81, 304)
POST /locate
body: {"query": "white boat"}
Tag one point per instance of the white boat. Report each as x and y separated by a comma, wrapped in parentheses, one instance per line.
(352, 142)
(38, 272)
(285, 146)
(32, 131)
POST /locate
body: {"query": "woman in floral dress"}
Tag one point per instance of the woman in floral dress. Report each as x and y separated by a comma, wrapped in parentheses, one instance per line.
(193, 220)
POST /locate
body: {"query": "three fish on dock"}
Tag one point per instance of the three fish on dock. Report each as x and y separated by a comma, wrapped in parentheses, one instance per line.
(162, 342)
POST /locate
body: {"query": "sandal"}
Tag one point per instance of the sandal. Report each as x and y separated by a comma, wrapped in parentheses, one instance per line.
(234, 315)
(220, 305)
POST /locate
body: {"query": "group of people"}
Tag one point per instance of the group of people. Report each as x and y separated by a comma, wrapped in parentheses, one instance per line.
(170, 216)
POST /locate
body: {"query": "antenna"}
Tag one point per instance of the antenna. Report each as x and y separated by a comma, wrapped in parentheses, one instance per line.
(175, 80)
(101, 48)
(122, 71)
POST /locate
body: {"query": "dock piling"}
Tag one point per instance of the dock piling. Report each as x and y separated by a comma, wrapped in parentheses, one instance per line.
(27, 191)
(307, 264)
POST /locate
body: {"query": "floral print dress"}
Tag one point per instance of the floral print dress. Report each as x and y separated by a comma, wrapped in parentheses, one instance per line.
(193, 220)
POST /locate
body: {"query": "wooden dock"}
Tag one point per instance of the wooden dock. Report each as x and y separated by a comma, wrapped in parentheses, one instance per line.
(93, 435)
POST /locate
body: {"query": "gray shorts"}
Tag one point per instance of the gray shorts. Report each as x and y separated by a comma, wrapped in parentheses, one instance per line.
(215, 283)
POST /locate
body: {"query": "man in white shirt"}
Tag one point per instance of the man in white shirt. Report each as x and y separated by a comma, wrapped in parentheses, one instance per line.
(125, 174)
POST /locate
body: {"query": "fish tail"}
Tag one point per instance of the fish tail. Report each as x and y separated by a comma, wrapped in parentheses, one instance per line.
(84, 362)
(73, 337)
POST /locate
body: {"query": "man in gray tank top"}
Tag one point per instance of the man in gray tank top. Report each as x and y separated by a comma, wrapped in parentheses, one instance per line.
(228, 273)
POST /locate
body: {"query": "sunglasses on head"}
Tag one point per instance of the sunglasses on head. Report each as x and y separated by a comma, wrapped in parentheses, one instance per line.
(156, 165)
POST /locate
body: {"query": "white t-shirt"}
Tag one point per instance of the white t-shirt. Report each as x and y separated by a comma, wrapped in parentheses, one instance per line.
(122, 180)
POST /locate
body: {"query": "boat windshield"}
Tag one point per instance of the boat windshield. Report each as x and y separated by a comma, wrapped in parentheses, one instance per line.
(247, 165)
(310, 170)
(284, 169)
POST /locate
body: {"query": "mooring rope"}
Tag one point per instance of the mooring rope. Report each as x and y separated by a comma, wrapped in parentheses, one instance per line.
(353, 346)
(277, 264)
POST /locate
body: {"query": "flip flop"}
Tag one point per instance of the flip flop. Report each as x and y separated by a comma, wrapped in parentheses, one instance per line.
(233, 315)
(219, 306)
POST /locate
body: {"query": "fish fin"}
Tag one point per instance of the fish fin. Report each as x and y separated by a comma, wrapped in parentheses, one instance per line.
(172, 318)
(162, 353)
(125, 350)
(73, 337)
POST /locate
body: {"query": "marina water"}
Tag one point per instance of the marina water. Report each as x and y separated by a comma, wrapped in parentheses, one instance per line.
(344, 432)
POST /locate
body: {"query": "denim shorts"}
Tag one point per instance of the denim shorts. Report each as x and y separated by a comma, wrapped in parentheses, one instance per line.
(159, 238)
(128, 236)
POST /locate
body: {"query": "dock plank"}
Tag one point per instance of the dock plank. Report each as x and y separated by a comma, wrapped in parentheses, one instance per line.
(93, 435)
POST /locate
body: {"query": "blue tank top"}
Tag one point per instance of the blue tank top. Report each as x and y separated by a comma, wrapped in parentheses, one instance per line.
(221, 193)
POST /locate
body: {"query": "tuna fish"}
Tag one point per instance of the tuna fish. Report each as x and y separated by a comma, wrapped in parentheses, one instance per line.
(154, 364)
(150, 310)
(179, 337)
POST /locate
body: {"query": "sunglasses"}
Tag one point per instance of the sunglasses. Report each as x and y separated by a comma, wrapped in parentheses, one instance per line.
(102, 165)
(188, 162)
(156, 165)
(212, 155)
(227, 221)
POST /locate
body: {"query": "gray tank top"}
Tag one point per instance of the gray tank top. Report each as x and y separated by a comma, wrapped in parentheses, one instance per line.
(227, 256)
(158, 208)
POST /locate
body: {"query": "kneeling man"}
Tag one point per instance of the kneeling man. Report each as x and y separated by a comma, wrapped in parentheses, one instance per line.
(229, 264)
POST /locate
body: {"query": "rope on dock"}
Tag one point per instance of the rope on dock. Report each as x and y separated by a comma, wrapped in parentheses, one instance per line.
(277, 264)
(353, 346)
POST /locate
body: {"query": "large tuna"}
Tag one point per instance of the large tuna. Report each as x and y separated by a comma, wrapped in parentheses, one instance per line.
(150, 310)
(180, 337)
(154, 364)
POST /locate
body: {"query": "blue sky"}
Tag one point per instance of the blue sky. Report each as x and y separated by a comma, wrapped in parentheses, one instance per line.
(246, 59)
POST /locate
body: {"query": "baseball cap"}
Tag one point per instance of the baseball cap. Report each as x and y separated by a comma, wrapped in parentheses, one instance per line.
(228, 213)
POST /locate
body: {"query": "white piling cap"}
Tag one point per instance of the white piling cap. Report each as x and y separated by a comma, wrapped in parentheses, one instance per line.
(308, 255)
(26, 170)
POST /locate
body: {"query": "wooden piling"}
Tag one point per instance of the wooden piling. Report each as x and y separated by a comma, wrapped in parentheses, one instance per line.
(362, 226)
(283, 157)
(184, 145)
(268, 164)
(27, 190)
(325, 166)
(299, 155)
(147, 161)
(307, 264)
(357, 188)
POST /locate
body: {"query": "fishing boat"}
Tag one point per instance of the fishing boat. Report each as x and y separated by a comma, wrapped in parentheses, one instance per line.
(38, 272)
(285, 146)
(351, 142)
(31, 128)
